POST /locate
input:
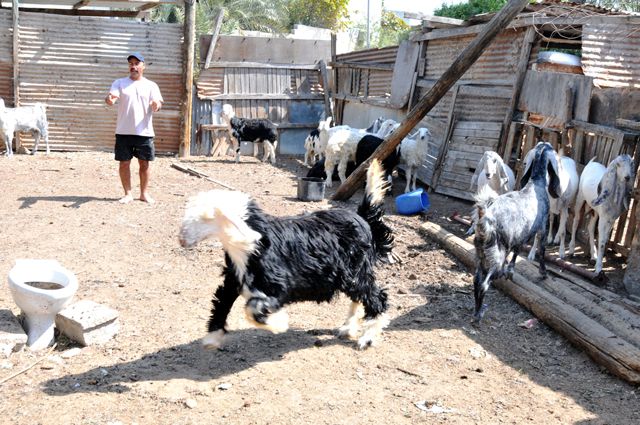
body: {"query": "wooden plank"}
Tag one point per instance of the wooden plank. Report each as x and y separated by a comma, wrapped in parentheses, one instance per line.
(188, 52)
(406, 61)
(324, 77)
(633, 125)
(214, 38)
(457, 193)
(361, 65)
(521, 71)
(265, 96)
(442, 151)
(16, 63)
(541, 90)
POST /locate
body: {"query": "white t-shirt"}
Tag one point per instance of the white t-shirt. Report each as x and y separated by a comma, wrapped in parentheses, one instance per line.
(134, 111)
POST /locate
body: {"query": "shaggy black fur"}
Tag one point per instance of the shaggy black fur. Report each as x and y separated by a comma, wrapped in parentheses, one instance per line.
(309, 258)
(317, 170)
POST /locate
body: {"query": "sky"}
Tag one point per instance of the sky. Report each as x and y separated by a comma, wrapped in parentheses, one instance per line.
(359, 7)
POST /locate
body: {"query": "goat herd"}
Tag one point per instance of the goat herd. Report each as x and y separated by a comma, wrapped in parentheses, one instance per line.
(272, 261)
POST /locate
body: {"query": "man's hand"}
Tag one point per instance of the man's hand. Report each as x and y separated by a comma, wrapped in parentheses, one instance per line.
(111, 99)
(155, 105)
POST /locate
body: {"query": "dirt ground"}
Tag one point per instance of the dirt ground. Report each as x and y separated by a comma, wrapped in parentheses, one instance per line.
(432, 366)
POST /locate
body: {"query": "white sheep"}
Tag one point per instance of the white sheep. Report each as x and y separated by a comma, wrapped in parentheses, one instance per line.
(606, 191)
(569, 180)
(341, 148)
(413, 152)
(24, 118)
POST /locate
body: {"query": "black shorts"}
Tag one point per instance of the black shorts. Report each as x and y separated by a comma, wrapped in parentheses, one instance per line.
(129, 145)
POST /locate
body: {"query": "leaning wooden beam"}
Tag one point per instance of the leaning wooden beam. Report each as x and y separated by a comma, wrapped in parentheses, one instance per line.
(459, 66)
(214, 38)
(604, 346)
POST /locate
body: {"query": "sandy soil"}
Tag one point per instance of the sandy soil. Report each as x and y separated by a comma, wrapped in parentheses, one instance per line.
(431, 367)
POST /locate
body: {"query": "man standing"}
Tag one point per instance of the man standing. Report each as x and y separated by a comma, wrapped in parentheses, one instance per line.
(138, 97)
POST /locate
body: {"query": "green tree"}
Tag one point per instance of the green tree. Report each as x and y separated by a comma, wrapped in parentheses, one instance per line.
(332, 14)
(626, 5)
(393, 30)
(470, 8)
(250, 15)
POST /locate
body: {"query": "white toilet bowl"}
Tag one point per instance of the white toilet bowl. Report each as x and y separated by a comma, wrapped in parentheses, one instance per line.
(41, 288)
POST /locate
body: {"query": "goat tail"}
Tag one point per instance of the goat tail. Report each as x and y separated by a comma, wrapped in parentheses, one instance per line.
(372, 209)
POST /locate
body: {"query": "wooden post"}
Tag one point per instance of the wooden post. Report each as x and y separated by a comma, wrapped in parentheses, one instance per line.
(442, 152)
(459, 66)
(521, 71)
(188, 53)
(16, 64)
(325, 85)
(214, 38)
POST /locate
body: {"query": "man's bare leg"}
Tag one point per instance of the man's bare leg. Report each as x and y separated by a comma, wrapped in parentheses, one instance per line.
(144, 181)
(125, 178)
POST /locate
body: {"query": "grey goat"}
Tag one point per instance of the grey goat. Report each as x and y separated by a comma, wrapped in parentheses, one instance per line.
(508, 221)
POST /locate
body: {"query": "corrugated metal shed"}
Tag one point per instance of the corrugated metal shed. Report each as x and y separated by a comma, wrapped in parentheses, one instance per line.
(6, 56)
(611, 54)
(69, 63)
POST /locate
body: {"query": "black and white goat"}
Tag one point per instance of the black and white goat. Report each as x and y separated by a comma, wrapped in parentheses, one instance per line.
(606, 192)
(275, 261)
(311, 154)
(569, 180)
(24, 118)
(255, 130)
(508, 221)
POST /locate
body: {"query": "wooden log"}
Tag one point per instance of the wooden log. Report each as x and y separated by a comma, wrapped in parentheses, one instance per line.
(459, 66)
(16, 63)
(188, 54)
(619, 356)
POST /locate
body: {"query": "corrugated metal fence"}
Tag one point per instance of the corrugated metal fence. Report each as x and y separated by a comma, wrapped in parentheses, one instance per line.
(69, 63)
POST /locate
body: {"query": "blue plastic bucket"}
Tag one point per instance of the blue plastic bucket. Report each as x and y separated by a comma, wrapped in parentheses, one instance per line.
(412, 202)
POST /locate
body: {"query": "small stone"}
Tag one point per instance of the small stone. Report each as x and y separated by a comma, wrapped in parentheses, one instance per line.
(71, 353)
(224, 387)
(191, 403)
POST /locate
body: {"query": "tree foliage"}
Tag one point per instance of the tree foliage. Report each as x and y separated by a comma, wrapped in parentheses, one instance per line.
(470, 8)
(332, 14)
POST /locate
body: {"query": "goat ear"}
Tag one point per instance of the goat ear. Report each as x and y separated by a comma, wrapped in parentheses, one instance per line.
(476, 174)
(554, 180)
(528, 160)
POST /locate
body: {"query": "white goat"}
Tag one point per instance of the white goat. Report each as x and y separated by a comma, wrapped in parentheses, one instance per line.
(413, 151)
(493, 172)
(386, 128)
(569, 180)
(606, 191)
(24, 118)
